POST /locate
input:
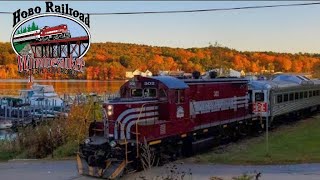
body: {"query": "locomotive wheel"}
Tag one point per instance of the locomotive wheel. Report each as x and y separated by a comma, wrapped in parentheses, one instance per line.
(55, 37)
(187, 148)
(67, 35)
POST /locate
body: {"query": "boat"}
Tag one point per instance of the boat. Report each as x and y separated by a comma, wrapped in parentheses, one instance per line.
(7, 134)
(41, 95)
(5, 124)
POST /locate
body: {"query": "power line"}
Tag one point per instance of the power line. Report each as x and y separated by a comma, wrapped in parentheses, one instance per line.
(207, 10)
(195, 10)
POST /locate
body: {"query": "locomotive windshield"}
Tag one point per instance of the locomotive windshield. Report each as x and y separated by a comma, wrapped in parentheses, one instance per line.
(147, 93)
(136, 92)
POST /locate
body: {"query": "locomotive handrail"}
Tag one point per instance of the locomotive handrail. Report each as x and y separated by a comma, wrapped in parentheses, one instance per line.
(125, 143)
(137, 140)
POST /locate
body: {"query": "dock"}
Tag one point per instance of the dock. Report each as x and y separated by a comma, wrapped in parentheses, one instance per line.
(24, 114)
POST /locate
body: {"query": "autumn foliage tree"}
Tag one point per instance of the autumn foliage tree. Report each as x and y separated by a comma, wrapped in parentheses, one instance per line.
(109, 61)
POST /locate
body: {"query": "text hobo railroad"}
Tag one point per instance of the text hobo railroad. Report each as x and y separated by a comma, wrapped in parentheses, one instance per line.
(51, 8)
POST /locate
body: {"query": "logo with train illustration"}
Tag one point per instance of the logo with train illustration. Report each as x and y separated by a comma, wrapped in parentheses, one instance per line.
(46, 33)
(50, 40)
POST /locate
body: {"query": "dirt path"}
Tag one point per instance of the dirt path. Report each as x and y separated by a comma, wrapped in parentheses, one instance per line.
(66, 170)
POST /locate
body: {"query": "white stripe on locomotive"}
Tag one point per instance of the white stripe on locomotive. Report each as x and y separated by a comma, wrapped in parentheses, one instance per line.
(126, 112)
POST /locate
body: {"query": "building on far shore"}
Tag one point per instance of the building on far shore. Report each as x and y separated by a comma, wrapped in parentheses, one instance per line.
(131, 74)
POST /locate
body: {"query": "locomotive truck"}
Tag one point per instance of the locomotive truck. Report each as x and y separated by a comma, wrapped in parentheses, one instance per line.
(180, 116)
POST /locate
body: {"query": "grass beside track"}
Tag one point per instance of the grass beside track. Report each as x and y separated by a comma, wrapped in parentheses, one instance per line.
(295, 143)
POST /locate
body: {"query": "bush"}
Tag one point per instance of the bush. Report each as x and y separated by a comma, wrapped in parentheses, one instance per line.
(40, 141)
(67, 150)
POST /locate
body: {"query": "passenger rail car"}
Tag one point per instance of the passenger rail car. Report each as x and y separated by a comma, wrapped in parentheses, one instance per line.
(286, 95)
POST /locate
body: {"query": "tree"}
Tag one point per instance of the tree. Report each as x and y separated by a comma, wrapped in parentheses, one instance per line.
(124, 61)
(297, 66)
(33, 26)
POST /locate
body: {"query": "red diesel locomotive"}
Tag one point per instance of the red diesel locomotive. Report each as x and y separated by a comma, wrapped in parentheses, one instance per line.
(46, 33)
(173, 116)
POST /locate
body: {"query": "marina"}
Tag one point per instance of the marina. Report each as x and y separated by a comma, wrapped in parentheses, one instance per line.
(41, 102)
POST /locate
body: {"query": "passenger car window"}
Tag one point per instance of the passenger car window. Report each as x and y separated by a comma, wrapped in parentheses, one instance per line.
(259, 97)
(301, 95)
(291, 97)
(279, 99)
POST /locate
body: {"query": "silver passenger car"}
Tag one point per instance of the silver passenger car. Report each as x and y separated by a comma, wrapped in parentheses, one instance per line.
(284, 94)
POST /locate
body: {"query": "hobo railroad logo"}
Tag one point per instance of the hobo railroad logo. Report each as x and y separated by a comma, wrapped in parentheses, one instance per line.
(54, 40)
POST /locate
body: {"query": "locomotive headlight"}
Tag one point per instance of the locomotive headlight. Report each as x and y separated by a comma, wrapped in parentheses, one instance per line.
(112, 143)
(110, 110)
(110, 107)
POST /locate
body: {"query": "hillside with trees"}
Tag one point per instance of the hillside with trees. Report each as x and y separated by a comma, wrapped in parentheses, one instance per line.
(107, 61)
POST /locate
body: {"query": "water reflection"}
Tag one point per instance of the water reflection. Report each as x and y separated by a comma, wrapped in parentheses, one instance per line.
(71, 87)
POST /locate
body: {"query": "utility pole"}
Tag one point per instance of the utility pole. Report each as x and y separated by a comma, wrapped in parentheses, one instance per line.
(267, 124)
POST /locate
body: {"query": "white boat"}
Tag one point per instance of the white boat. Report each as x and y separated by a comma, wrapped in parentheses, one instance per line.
(5, 124)
(41, 95)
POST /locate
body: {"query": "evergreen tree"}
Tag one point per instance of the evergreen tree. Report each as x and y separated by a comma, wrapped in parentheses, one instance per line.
(33, 26)
(24, 30)
(29, 28)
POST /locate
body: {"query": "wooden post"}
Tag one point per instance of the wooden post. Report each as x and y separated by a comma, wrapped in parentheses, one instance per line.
(10, 111)
(41, 112)
(18, 114)
(5, 111)
(29, 110)
(22, 115)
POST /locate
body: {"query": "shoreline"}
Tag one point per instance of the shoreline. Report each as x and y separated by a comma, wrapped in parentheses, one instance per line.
(62, 80)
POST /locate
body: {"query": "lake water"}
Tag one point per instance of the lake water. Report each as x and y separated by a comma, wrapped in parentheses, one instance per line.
(11, 87)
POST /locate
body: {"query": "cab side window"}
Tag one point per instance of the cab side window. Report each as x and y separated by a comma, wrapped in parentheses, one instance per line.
(162, 95)
(179, 96)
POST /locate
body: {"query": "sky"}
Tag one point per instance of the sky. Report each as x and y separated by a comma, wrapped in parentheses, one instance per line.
(284, 29)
